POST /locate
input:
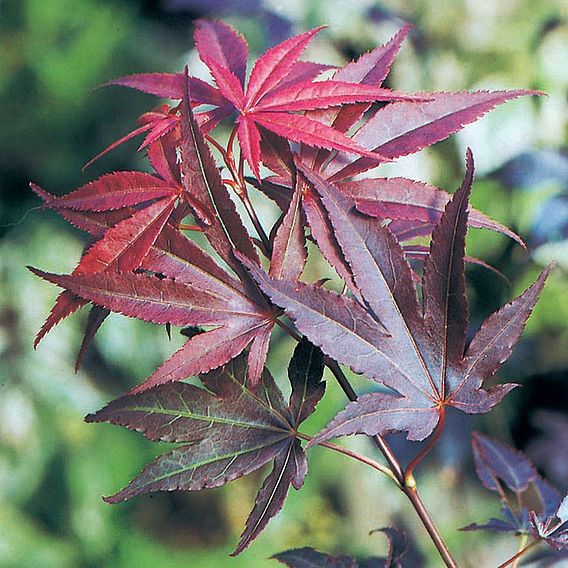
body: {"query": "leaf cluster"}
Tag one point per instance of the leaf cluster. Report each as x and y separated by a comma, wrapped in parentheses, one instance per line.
(304, 137)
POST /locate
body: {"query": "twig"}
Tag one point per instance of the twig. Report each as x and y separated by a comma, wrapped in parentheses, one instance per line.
(519, 554)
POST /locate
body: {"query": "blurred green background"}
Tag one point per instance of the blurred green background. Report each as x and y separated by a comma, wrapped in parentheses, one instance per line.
(54, 467)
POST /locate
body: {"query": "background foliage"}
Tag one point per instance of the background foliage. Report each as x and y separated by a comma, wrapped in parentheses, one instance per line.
(54, 467)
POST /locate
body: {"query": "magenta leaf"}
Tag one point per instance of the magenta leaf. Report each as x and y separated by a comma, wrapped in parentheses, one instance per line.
(114, 191)
(219, 43)
(405, 199)
(273, 67)
(202, 179)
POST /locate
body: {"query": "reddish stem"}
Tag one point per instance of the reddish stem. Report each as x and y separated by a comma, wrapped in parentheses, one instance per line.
(426, 449)
(519, 554)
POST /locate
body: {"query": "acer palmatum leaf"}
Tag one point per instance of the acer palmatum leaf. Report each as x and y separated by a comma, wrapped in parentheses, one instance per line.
(537, 504)
(219, 43)
(396, 558)
(115, 191)
(402, 199)
(497, 463)
(232, 428)
(276, 90)
(176, 257)
(387, 338)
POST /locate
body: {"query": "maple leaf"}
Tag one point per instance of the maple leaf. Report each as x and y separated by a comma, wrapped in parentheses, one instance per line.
(232, 428)
(147, 203)
(419, 354)
(247, 318)
(537, 507)
(277, 88)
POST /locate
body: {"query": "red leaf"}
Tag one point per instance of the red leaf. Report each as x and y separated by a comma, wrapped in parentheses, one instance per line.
(65, 305)
(124, 246)
(290, 467)
(446, 311)
(405, 199)
(323, 94)
(420, 357)
(202, 179)
(299, 128)
(249, 140)
(204, 352)
(167, 85)
(171, 86)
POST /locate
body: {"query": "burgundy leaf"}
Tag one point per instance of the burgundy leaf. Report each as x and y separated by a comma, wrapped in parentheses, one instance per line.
(446, 310)
(171, 86)
(305, 372)
(65, 305)
(96, 318)
(303, 71)
(202, 179)
(232, 427)
(115, 190)
(322, 232)
(204, 352)
(299, 128)
(273, 67)
(496, 462)
(370, 69)
(323, 94)
(149, 298)
(162, 156)
(167, 85)
(371, 337)
(536, 504)
(124, 246)
(310, 558)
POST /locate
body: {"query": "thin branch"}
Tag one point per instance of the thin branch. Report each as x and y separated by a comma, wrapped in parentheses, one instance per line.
(521, 552)
(414, 497)
(363, 459)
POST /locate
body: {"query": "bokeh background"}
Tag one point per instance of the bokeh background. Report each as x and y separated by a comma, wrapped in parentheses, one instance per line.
(54, 467)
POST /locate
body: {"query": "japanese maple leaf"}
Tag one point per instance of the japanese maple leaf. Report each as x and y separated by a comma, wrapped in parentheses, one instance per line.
(503, 469)
(239, 311)
(231, 427)
(419, 354)
(279, 87)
